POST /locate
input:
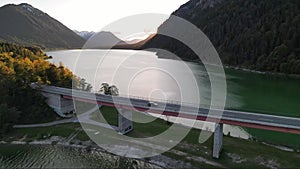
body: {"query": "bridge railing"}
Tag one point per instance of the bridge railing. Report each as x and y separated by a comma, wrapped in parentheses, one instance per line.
(166, 101)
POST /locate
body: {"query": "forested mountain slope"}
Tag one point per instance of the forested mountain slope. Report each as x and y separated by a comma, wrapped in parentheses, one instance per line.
(255, 34)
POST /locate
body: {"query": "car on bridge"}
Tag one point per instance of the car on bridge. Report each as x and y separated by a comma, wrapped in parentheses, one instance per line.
(152, 104)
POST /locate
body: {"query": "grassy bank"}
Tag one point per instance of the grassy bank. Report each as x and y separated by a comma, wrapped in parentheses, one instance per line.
(236, 153)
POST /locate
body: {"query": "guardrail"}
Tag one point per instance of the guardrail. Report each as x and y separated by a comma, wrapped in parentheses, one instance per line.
(33, 85)
(159, 100)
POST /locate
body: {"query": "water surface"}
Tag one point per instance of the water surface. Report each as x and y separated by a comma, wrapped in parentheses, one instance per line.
(48, 156)
(142, 73)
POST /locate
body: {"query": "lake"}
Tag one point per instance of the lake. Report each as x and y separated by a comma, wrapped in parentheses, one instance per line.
(142, 73)
(48, 156)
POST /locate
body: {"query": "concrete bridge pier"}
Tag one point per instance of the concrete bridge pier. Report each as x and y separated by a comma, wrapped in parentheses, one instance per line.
(60, 105)
(218, 140)
(125, 121)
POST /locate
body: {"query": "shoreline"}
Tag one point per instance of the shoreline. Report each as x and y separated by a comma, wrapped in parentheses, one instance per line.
(187, 154)
(163, 161)
(228, 131)
(159, 161)
(58, 140)
(243, 69)
(296, 76)
(278, 74)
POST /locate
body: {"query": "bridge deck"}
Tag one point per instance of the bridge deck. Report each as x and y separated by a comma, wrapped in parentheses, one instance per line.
(239, 118)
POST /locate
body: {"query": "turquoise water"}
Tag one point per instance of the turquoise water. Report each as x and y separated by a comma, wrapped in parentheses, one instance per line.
(141, 73)
(246, 91)
(270, 95)
(277, 95)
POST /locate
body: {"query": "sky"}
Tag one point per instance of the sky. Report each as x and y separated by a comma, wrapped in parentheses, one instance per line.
(93, 15)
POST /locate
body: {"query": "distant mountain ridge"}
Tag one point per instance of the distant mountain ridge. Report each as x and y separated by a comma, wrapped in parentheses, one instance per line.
(85, 34)
(260, 35)
(105, 40)
(23, 24)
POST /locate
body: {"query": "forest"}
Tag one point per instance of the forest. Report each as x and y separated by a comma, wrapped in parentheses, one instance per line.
(19, 67)
(260, 35)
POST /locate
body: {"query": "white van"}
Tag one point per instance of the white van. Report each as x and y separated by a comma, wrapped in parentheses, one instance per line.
(152, 104)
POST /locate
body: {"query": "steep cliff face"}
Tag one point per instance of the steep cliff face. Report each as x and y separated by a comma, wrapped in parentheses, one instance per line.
(256, 34)
(26, 25)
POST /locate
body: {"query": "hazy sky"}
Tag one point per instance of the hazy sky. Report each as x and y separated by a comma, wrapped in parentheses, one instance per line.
(93, 15)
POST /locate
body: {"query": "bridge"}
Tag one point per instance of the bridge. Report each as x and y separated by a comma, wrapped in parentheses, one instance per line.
(61, 100)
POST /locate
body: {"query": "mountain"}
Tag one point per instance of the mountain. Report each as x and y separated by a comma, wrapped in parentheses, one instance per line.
(26, 25)
(85, 34)
(261, 35)
(104, 40)
(137, 43)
